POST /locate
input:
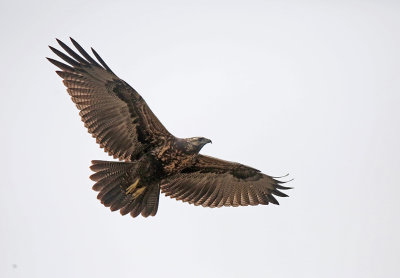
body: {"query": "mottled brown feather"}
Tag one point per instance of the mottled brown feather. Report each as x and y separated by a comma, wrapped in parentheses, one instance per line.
(112, 181)
(114, 113)
(213, 182)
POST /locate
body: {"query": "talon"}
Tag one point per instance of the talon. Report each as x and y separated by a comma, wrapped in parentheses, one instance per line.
(132, 187)
(138, 192)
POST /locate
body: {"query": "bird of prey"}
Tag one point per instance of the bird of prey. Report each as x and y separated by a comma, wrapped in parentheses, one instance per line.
(150, 158)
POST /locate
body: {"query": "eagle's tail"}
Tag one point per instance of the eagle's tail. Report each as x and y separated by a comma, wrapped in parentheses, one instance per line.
(120, 188)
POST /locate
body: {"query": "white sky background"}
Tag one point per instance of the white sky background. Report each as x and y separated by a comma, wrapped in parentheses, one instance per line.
(309, 88)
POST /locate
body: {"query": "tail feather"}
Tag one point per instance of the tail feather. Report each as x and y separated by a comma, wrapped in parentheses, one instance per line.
(121, 188)
(151, 200)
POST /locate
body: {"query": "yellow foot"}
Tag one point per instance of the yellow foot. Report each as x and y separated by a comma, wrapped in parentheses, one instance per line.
(132, 187)
(138, 192)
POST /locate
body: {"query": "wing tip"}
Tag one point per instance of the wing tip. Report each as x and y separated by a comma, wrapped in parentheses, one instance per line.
(72, 40)
(278, 183)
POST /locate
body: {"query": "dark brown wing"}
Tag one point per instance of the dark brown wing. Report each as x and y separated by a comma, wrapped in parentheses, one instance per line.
(212, 182)
(114, 113)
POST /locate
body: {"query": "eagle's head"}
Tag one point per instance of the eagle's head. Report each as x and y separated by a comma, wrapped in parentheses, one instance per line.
(194, 144)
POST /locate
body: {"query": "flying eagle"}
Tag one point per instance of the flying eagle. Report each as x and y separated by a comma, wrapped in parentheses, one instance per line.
(150, 158)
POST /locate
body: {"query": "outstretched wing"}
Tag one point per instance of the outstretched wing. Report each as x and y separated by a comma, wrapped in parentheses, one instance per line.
(212, 182)
(114, 113)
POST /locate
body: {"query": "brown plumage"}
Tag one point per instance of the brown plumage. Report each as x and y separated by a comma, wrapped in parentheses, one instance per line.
(151, 157)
